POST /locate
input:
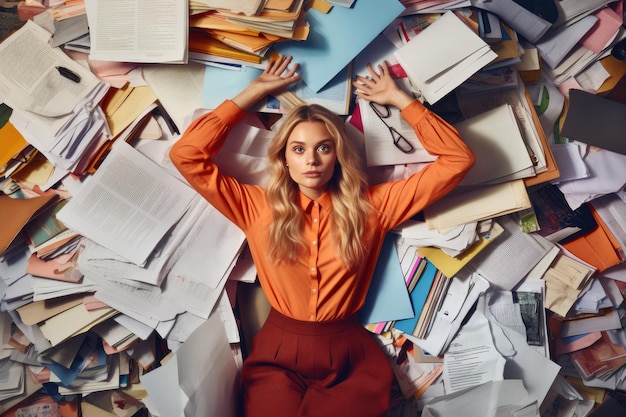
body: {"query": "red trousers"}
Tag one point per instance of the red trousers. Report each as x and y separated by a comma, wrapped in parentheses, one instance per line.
(312, 369)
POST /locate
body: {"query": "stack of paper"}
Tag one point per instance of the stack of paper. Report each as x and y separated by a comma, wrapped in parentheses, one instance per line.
(499, 35)
(58, 114)
(46, 236)
(454, 241)
(66, 22)
(601, 360)
(486, 400)
(571, 11)
(420, 281)
(243, 33)
(450, 265)
(580, 58)
(461, 294)
(133, 219)
(484, 202)
(555, 46)
(160, 230)
(443, 56)
(247, 7)
(612, 210)
(204, 48)
(13, 379)
(279, 18)
(566, 278)
(90, 362)
(501, 153)
(57, 330)
(428, 307)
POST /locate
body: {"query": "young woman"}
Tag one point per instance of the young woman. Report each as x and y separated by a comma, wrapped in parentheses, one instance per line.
(315, 232)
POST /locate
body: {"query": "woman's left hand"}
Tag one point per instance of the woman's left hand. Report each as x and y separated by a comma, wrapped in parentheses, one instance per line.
(380, 87)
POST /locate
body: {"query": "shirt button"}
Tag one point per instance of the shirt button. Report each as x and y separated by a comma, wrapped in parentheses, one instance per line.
(314, 242)
(313, 269)
(314, 290)
(315, 220)
(311, 317)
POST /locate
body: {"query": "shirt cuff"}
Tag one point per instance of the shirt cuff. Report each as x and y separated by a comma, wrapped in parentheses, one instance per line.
(229, 113)
(414, 111)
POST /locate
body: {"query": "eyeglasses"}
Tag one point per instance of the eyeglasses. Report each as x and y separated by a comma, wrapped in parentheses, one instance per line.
(383, 112)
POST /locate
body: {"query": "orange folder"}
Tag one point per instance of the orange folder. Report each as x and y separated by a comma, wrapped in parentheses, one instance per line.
(598, 248)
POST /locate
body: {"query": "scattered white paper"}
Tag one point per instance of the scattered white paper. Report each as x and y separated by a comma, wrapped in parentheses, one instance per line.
(472, 358)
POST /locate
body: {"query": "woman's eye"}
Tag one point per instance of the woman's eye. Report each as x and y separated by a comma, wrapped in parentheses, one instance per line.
(324, 148)
(298, 149)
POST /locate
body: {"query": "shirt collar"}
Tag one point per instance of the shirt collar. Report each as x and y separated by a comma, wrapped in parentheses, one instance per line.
(306, 203)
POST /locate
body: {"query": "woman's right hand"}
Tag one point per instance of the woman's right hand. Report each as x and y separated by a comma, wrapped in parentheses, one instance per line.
(275, 78)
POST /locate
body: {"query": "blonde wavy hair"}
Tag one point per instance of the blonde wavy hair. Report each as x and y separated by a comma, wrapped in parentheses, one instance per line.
(347, 188)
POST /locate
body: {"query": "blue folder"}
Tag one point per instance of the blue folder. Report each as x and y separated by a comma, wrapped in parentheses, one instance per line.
(388, 297)
(418, 297)
(336, 37)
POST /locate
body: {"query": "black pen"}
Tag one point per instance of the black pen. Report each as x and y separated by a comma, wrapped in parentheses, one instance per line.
(69, 74)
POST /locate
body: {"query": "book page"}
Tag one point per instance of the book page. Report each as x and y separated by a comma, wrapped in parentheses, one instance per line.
(129, 217)
(31, 82)
(138, 30)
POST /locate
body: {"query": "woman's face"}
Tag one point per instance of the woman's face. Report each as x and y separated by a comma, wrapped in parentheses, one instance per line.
(310, 156)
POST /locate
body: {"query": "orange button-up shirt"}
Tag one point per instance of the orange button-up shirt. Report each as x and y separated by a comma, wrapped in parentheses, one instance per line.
(318, 286)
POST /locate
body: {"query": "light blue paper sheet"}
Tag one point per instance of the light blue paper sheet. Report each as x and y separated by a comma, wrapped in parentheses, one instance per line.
(388, 297)
(418, 297)
(336, 37)
(221, 84)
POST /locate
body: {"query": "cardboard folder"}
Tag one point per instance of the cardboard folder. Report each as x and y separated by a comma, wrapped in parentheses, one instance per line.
(16, 213)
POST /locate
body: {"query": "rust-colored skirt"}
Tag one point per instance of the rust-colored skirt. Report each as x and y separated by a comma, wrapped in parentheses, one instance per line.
(325, 369)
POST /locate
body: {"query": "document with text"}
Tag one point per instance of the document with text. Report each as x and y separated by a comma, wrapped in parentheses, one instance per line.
(128, 217)
(138, 30)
